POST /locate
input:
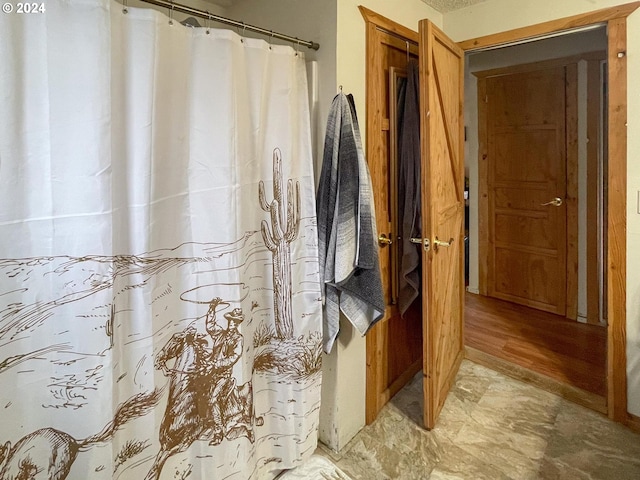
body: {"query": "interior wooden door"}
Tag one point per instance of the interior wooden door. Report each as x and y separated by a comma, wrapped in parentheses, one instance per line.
(527, 188)
(394, 344)
(442, 149)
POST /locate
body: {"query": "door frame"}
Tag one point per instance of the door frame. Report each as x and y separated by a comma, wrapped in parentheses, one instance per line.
(615, 19)
(377, 392)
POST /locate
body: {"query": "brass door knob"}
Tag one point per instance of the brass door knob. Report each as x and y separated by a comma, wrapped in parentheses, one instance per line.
(383, 240)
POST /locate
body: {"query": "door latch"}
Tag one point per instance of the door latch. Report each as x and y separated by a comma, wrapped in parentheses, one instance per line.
(426, 244)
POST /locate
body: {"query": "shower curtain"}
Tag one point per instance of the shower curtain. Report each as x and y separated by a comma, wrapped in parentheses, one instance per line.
(159, 296)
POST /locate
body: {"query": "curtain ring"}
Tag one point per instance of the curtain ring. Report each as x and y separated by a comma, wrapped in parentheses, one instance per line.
(171, 13)
(208, 30)
(297, 46)
(407, 42)
(125, 8)
(244, 29)
(270, 39)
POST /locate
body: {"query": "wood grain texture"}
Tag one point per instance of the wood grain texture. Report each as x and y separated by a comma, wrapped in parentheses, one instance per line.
(484, 243)
(394, 346)
(562, 24)
(569, 63)
(568, 352)
(396, 75)
(571, 148)
(373, 359)
(617, 220)
(526, 136)
(373, 18)
(374, 99)
(442, 150)
(594, 226)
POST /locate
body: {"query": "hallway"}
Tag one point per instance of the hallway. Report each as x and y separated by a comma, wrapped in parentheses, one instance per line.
(569, 352)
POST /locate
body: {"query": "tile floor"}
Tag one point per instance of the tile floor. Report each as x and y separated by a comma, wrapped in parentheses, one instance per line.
(491, 427)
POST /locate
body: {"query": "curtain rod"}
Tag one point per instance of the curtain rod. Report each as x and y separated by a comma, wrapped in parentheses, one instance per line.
(217, 18)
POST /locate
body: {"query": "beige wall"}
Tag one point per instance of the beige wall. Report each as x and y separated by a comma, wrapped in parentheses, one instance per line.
(499, 15)
(633, 215)
(495, 16)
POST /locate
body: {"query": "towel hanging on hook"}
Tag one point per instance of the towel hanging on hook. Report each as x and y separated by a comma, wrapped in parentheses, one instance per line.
(347, 235)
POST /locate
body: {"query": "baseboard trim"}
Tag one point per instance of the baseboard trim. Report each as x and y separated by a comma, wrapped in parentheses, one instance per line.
(568, 392)
(633, 422)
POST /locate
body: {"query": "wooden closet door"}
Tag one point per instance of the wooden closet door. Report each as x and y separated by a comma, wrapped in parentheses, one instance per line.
(394, 344)
(442, 149)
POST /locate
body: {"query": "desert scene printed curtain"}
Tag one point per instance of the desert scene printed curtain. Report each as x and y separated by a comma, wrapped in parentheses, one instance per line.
(159, 297)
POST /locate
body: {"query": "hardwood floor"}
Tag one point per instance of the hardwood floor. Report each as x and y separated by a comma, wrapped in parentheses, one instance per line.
(569, 352)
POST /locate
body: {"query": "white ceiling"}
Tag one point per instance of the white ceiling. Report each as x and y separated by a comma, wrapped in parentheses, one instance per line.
(442, 6)
(445, 6)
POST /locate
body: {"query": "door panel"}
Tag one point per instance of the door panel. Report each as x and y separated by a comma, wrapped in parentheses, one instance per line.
(536, 285)
(394, 345)
(441, 88)
(526, 170)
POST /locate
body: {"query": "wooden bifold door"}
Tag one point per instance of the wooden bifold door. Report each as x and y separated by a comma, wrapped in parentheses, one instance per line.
(394, 345)
(442, 151)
